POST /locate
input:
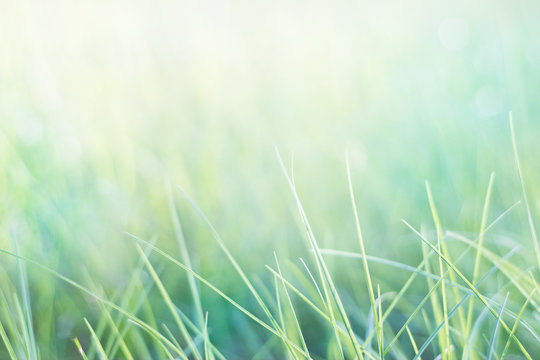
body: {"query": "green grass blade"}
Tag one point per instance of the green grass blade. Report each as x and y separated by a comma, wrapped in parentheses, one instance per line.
(445, 339)
(213, 288)
(524, 192)
(185, 334)
(80, 349)
(73, 283)
(323, 271)
(185, 254)
(364, 261)
(101, 351)
(237, 267)
(514, 328)
(29, 326)
(471, 286)
(493, 342)
(313, 280)
(481, 234)
(413, 343)
(7, 343)
(291, 306)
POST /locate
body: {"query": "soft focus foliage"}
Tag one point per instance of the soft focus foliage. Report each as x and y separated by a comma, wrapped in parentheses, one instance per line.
(106, 105)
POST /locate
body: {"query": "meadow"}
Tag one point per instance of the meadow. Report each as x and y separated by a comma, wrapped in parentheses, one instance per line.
(269, 180)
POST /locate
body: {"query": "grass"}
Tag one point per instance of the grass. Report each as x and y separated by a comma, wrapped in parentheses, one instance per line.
(292, 314)
(144, 213)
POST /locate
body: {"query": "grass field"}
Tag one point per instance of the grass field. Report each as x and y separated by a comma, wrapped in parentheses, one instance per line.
(269, 180)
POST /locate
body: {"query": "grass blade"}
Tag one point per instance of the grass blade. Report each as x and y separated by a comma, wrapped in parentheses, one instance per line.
(493, 342)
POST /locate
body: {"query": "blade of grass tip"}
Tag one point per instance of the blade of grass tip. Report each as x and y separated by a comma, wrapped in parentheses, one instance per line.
(7, 343)
(236, 266)
(170, 305)
(367, 275)
(101, 351)
(78, 286)
(446, 338)
(471, 286)
(324, 273)
(23, 283)
(184, 253)
(521, 311)
(297, 323)
(493, 342)
(79, 348)
(524, 192)
(478, 249)
(212, 287)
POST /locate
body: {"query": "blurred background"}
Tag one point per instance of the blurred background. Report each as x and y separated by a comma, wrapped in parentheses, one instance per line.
(103, 104)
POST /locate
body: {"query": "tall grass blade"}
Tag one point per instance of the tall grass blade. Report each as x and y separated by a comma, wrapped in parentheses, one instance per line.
(493, 342)
(524, 192)
(364, 261)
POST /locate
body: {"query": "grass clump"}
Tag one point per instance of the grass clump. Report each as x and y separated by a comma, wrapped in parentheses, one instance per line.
(468, 297)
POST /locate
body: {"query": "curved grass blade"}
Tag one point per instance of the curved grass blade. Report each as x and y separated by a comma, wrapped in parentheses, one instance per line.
(215, 289)
(521, 311)
(73, 283)
(493, 342)
(524, 192)
(168, 301)
(101, 351)
(471, 286)
(324, 273)
(367, 275)
(237, 267)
